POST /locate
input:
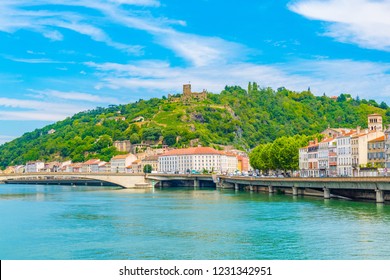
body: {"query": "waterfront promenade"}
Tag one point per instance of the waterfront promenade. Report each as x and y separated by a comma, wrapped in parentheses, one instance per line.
(354, 188)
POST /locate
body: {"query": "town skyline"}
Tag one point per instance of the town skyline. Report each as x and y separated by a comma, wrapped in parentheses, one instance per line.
(63, 57)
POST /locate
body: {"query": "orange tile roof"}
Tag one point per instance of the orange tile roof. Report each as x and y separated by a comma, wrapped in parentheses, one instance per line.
(347, 134)
(326, 140)
(151, 158)
(382, 138)
(92, 161)
(121, 156)
(358, 135)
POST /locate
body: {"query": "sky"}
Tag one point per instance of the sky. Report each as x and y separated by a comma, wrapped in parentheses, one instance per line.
(60, 57)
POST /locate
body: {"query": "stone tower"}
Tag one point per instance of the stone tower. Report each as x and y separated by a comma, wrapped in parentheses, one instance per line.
(187, 89)
(375, 122)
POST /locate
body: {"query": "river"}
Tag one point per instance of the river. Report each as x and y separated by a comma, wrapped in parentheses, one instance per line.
(64, 222)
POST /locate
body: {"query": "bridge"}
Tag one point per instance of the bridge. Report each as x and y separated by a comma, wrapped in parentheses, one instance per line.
(124, 180)
(370, 188)
(195, 180)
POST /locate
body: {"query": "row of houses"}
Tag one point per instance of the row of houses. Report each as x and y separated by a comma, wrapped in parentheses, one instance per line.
(348, 152)
(171, 161)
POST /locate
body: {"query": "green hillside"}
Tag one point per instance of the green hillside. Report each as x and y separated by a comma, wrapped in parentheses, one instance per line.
(233, 117)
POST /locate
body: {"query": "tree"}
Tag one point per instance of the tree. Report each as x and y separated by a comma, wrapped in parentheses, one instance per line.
(152, 133)
(249, 87)
(383, 105)
(148, 168)
(134, 138)
(170, 139)
(254, 87)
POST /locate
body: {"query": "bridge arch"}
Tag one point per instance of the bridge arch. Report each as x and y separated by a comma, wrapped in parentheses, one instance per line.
(121, 179)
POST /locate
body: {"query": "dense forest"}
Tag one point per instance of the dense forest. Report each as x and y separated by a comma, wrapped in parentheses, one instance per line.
(238, 117)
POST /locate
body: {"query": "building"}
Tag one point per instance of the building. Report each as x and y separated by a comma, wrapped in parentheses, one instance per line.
(152, 161)
(53, 166)
(303, 162)
(122, 146)
(243, 163)
(359, 145)
(120, 162)
(344, 154)
(334, 132)
(376, 152)
(332, 162)
(312, 158)
(197, 159)
(89, 165)
(387, 149)
(138, 119)
(9, 170)
(34, 166)
(323, 156)
(105, 167)
(135, 167)
(64, 165)
(74, 167)
(375, 122)
(189, 95)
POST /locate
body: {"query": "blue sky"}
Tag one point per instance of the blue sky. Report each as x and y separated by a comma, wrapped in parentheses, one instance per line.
(59, 57)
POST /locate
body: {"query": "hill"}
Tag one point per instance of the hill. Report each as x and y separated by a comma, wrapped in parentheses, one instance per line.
(233, 117)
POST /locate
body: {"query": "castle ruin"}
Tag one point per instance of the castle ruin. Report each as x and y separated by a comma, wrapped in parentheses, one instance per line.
(189, 95)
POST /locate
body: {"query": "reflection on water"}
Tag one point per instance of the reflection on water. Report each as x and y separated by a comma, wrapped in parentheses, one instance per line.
(64, 222)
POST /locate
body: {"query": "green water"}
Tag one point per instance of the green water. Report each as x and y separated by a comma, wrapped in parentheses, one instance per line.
(63, 222)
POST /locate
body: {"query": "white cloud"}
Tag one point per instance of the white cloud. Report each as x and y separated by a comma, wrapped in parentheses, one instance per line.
(74, 95)
(362, 22)
(18, 109)
(195, 49)
(53, 35)
(34, 60)
(6, 138)
(18, 15)
(152, 3)
(35, 52)
(32, 116)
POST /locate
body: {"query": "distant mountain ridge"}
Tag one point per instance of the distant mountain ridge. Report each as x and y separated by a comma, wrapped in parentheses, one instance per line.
(238, 117)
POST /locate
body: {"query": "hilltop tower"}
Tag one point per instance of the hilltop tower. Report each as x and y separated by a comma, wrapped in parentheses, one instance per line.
(188, 95)
(375, 122)
(187, 89)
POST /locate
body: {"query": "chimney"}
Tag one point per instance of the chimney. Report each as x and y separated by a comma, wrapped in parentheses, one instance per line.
(358, 129)
(316, 141)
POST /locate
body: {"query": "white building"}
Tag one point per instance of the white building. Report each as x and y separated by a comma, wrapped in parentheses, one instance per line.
(104, 168)
(344, 154)
(34, 166)
(120, 162)
(19, 169)
(197, 159)
(312, 158)
(359, 144)
(303, 162)
(90, 166)
(325, 147)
